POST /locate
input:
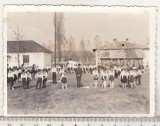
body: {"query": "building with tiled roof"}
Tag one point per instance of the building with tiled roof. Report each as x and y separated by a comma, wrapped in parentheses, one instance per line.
(29, 53)
(121, 52)
(25, 46)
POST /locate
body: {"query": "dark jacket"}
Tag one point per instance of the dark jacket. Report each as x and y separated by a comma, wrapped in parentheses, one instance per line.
(78, 71)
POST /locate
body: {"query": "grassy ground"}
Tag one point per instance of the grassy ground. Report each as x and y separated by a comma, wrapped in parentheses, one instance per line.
(54, 100)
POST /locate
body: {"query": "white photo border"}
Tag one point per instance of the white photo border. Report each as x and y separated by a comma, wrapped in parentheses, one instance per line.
(101, 9)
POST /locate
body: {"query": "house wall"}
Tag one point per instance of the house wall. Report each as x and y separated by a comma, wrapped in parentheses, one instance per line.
(143, 61)
(39, 59)
(47, 59)
(12, 60)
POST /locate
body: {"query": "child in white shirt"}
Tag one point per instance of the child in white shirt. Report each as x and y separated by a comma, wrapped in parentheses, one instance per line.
(11, 79)
(131, 78)
(105, 78)
(124, 76)
(39, 77)
(95, 77)
(29, 78)
(24, 79)
(44, 78)
(111, 78)
(64, 81)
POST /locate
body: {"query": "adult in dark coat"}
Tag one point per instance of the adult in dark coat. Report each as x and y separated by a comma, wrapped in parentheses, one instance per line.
(33, 70)
(78, 72)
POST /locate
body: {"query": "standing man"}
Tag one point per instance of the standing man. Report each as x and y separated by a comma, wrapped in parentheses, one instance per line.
(33, 70)
(54, 74)
(78, 72)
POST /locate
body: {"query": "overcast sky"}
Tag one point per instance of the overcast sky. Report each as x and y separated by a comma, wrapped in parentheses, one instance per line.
(39, 26)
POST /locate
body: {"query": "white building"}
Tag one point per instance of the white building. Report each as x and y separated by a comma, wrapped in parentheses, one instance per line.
(30, 53)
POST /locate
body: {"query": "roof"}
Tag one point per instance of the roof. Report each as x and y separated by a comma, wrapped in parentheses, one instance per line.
(122, 54)
(25, 46)
(123, 45)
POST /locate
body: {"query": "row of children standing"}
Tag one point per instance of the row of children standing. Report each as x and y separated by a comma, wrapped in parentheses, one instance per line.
(129, 78)
(24, 76)
(15, 75)
(63, 76)
(86, 69)
(105, 76)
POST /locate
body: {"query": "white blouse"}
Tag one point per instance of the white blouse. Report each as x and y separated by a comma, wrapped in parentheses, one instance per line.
(95, 73)
(39, 75)
(10, 74)
(23, 76)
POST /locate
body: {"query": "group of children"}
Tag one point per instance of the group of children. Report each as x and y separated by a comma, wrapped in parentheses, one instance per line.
(86, 69)
(24, 76)
(15, 75)
(128, 77)
(105, 76)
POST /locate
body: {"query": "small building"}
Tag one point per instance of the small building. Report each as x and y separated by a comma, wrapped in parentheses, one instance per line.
(29, 53)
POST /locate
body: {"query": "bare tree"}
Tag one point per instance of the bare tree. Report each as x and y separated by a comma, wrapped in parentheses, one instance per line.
(59, 33)
(85, 55)
(97, 41)
(71, 46)
(82, 49)
(50, 45)
(18, 38)
(88, 46)
(82, 45)
(89, 56)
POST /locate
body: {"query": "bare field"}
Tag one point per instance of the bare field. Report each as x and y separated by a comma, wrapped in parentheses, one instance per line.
(54, 100)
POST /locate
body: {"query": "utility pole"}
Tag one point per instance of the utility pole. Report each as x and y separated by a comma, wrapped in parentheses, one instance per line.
(55, 56)
(18, 46)
(97, 57)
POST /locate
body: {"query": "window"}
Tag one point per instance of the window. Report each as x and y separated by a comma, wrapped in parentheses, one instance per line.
(25, 59)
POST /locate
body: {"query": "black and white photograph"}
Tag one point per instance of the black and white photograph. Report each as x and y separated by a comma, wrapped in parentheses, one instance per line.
(96, 61)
